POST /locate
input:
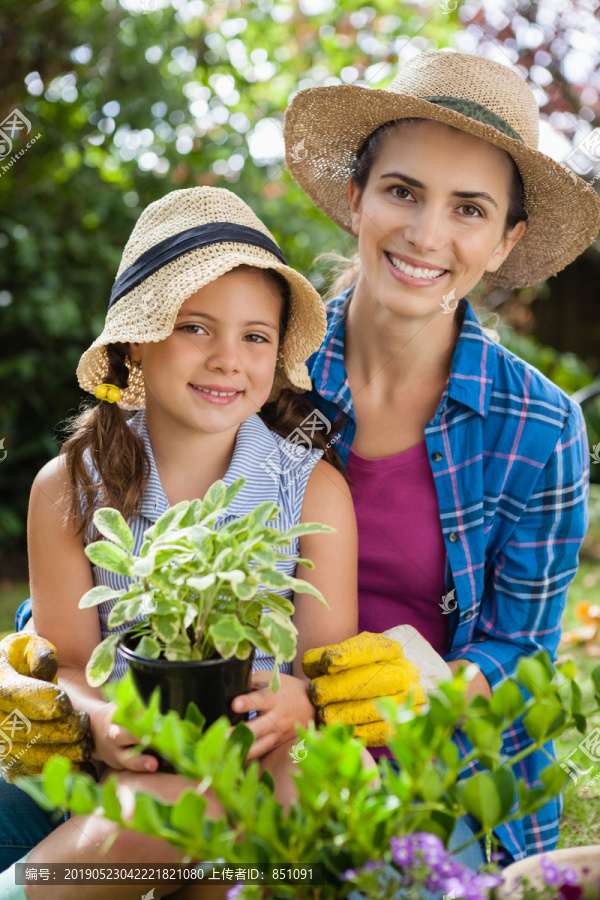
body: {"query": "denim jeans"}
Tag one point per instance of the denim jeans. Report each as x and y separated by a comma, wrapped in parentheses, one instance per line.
(23, 823)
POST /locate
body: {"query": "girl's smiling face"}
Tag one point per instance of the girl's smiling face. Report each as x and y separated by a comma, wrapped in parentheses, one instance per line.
(436, 199)
(226, 338)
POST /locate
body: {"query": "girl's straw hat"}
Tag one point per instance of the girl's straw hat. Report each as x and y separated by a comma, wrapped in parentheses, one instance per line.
(179, 244)
(325, 127)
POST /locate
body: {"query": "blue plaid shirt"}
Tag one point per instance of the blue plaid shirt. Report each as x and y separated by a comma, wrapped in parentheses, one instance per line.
(509, 454)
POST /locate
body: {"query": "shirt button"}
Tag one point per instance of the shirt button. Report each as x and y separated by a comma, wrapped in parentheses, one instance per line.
(437, 456)
(468, 615)
(453, 536)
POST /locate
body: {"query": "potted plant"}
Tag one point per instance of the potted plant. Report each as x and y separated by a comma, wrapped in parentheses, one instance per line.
(197, 598)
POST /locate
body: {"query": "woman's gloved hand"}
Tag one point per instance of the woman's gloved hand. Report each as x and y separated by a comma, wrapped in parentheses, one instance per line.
(347, 678)
(37, 720)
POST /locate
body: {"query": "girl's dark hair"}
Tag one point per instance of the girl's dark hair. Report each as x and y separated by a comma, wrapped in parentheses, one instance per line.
(291, 407)
(119, 454)
(346, 270)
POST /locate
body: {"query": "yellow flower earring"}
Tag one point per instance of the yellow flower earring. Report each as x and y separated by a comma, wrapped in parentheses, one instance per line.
(109, 392)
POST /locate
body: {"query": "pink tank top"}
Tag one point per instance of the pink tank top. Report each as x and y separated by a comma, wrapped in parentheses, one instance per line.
(401, 551)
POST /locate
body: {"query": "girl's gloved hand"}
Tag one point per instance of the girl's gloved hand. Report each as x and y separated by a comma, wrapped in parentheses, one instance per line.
(278, 712)
(347, 678)
(37, 719)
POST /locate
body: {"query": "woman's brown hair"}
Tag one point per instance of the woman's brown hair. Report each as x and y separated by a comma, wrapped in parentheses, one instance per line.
(345, 271)
(119, 454)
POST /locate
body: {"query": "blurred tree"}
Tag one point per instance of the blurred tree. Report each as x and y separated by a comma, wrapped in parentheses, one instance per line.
(131, 101)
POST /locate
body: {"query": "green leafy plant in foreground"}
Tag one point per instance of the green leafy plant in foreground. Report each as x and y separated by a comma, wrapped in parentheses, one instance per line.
(340, 819)
(200, 586)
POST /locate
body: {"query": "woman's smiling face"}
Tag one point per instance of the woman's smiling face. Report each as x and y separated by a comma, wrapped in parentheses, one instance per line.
(436, 199)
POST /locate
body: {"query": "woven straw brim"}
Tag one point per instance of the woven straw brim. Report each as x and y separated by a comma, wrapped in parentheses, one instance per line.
(148, 313)
(332, 123)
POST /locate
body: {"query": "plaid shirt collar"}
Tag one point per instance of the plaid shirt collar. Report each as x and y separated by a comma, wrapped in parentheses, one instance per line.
(471, 375)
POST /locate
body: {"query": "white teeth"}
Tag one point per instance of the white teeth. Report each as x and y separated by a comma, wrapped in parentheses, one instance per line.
(414, 272)
(216, 393)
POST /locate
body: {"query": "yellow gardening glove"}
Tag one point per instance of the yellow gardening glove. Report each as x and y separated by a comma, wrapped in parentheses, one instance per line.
(380, 678)
(347, 678)
(37, 720)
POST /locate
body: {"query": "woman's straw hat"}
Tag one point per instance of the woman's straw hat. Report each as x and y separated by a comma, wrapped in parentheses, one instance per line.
(179, 244)
(325, 127)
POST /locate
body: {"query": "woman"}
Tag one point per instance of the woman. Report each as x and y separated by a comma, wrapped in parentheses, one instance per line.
(468, 468)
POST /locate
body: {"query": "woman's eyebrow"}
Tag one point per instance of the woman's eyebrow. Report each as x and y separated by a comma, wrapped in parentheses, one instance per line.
(464, 195)
(192, 312)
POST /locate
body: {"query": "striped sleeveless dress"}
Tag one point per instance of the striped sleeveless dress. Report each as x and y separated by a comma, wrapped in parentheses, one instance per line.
(263, 459)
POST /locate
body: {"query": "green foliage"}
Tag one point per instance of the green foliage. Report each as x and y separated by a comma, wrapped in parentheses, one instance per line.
(199, 585)
(566, 370)
(339, 818)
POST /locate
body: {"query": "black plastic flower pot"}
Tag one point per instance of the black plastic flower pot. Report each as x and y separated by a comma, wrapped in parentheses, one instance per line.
(209, 683)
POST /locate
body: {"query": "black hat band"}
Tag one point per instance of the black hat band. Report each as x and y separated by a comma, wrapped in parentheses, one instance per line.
(173, 247)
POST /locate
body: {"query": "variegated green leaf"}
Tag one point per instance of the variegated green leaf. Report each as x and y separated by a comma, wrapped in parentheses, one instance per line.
(189, 615)
(109, 556)
(281, 633)
(201, 584)
(304, 587)
(275, 578)
(308, 528)
(213, 498)
(102, 660)
(99, 594)
(278, 603)
(179, 650)
(165, 628)
(148, 647)
(263, 512)
(170, 519)
(245, 590)
(111, 524)
(235, 576)
(233, 490)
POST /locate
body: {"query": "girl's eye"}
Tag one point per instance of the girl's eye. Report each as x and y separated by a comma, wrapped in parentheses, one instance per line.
(185, 328)
(190, 329)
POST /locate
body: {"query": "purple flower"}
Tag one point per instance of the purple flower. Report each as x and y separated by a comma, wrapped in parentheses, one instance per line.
(569, 876)
(348, 875)
(487, 880)
(372, 866)
(402, 850)
(444, 874)
(234, 892)
(549, 870)
(420, 846)
(563, 876)
(454, 887)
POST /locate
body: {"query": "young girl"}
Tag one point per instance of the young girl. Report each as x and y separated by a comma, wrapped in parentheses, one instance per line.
(207, 327)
